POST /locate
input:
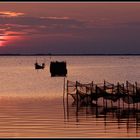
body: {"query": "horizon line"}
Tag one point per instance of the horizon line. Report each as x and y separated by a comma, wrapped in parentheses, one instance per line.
(66, 54)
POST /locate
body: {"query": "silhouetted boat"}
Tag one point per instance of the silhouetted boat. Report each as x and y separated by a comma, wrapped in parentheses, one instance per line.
(58, 68)
(37, 66)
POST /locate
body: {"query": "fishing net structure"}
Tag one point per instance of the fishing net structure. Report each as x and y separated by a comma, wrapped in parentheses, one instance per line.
(128, 92)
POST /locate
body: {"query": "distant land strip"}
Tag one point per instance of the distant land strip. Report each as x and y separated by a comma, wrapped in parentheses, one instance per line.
(51, 54)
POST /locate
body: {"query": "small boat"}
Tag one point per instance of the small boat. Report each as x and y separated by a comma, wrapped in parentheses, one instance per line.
(37, 66)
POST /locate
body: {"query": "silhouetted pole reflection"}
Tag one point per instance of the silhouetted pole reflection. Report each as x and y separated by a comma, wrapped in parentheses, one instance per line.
(129, 116)
(119, 118)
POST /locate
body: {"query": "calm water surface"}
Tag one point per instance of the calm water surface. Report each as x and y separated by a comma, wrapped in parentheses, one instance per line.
(31, 102)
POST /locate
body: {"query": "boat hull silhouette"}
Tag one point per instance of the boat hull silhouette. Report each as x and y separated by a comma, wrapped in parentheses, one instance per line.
(37, 66)
(58, 69)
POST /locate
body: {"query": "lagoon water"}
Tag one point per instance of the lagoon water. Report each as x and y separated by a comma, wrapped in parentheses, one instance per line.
(31, 101)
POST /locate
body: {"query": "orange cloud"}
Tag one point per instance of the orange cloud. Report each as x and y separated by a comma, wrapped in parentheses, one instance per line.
(10, 14)
(54, 17)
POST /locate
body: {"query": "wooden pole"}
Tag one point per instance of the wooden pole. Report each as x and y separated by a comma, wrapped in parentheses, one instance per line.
(118, 91)
(127, 93)
(91, 93)
(64, 99)
(112, 93)
(86, 96)
(136, 93)
(103, 97)
(67, 99)
(96, 95)
(64, 89)
(67, 91)
(105, 91)
(123, 97)
(96, 100)
(76, 97)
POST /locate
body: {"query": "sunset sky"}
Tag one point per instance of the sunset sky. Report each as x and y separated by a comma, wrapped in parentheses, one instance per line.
(58, 27)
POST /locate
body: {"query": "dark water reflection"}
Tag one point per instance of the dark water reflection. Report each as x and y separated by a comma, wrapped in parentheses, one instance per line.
(43, 117)
(105, 122)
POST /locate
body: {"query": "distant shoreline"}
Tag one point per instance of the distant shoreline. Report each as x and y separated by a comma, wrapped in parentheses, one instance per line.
(69, 54)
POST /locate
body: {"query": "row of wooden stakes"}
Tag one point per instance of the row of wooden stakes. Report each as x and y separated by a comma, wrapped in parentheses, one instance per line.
(129, 93)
